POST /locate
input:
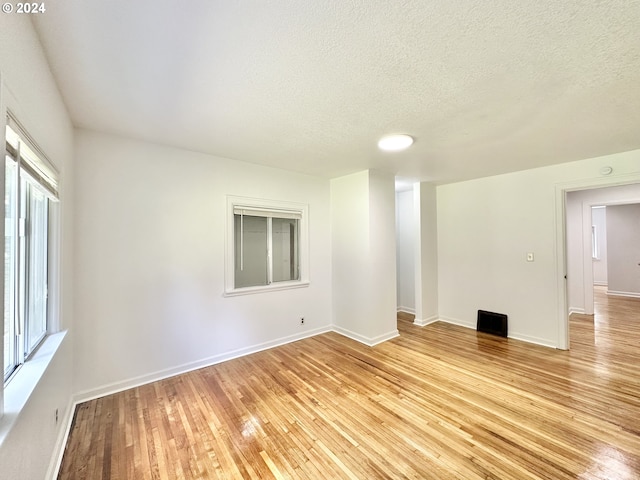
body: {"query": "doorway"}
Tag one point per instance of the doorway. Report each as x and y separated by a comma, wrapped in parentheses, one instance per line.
(586, 247)
(405, 251)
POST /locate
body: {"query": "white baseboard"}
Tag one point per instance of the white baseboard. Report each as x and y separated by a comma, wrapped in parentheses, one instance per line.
(116, 387)
(600, 284)
(81, 397)
(409, 310)
(426, 321)
(543, 342)
(369, 341)
(516, 336)
(579, 311)
(188, 367)
(383, 338)
(61, 442)
(460, 323)
(615, 293)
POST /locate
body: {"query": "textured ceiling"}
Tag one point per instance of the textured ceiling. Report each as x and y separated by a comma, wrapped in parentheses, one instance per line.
(484, 87)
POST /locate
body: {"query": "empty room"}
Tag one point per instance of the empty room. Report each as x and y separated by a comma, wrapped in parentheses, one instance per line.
(309, 240)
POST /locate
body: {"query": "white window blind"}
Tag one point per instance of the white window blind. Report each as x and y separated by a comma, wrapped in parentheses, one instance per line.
(24, 150)
(269, 213)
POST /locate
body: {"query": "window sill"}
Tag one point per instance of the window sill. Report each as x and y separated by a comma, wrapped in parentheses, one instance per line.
(23, 383)
(265, 288)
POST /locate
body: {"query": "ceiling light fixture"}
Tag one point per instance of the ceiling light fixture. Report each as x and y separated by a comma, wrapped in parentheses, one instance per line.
(395, 143)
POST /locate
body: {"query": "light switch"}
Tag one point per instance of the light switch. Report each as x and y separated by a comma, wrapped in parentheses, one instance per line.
(530, 257)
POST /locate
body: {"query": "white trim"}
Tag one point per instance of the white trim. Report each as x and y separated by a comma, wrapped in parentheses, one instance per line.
(384, 338)
(369, 341)
(560, 257)
(409, 310)
(579, 311)
(417, 250)
(61, 441)
(274, 287)
(120, 386)
(117, 387)
(3, 149)
(426, 321)
(615, 293)
(600, 284)
(460, 323)
(535, 340)
(515, 336)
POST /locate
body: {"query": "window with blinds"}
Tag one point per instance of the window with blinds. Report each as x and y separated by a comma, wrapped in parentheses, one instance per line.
(267, 248)
(31, 188)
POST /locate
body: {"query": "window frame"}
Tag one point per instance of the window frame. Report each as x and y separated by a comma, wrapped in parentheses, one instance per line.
(273, 207)
(35, 176)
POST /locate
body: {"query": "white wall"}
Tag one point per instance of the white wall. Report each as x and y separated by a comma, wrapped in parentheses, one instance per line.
(31, 448)
(426, 212)
(623, 239)
(599, 221)
(405, 243)
(487, 226)
(580, 275)
(29, 91)
(364, 256)
(383, 320)
(350, 251)
(150, 258)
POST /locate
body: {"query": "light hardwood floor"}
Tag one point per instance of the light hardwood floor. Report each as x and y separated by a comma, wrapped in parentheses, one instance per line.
(438, 402)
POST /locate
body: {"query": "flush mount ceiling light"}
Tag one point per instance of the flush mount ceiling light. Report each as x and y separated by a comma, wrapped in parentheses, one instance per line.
(395, 143)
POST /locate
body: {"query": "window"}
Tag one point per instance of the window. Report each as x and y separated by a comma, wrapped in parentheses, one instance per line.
(30, 191)
(267, 246)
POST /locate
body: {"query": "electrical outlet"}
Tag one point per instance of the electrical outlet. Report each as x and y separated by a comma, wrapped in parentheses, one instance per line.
(301, 320)
(56, 416)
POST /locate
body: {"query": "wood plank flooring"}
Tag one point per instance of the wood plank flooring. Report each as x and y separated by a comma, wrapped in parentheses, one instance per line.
(438, 402)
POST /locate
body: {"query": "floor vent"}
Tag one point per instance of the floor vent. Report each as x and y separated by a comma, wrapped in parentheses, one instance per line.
(491, 322)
